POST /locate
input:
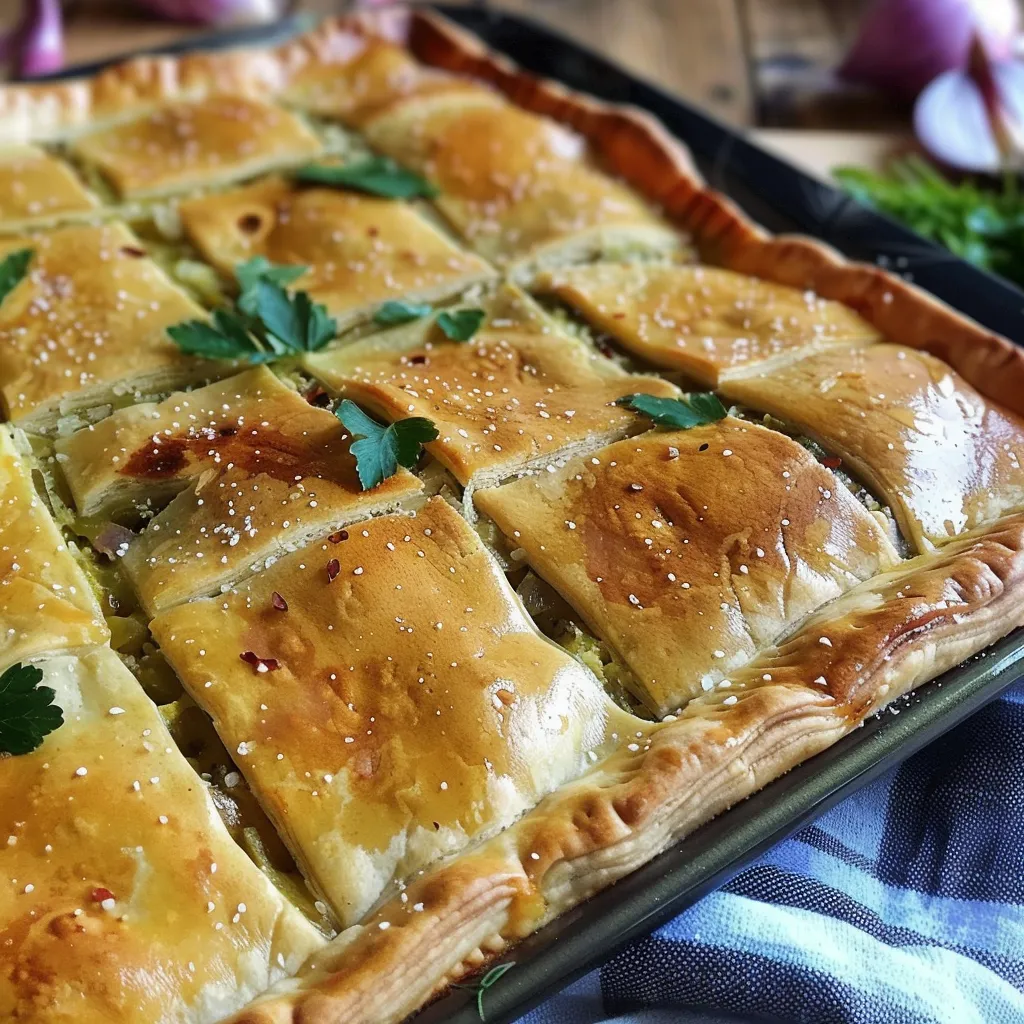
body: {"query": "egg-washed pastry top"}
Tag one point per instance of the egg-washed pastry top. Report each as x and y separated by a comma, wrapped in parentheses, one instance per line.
(422, 502)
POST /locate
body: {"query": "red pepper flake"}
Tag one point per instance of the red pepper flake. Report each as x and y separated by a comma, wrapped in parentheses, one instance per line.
(337, 538)
(250, 223)
(133, 250)
(99, 894)
(417, 360)
(278, 602)
(618, 316)
(832, 462)
(260, 664)
(333, 568)
(318, 397)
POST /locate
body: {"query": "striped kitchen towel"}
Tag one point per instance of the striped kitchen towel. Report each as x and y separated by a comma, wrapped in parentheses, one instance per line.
(902, 905)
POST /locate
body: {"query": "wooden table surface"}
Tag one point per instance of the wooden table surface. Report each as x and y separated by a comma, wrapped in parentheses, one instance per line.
(758, 63)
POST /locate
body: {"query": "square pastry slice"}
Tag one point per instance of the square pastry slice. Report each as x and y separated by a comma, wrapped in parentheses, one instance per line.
(687, 551)
(942, 456)
(124, 897)
(36, 187)
(704, 321)
(517, 186)
(256, 469)
(87, 324)
(47, 604)
(388, 699)
(196, 143)
(360, 251)
(518, 392)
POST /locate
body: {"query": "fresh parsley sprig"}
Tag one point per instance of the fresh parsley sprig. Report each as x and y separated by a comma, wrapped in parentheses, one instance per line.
(380, 449)
(482, 984)
(27, 711)
(460, 324)
(681, 413)
(13, 267)
(270, 323)
(376, 175)
(398, 311)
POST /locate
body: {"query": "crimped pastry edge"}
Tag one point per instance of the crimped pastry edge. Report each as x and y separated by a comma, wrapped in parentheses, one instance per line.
(913, 623)
(601, 827)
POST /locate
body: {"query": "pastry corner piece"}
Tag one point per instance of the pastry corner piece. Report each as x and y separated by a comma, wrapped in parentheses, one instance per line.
(86, 325)
(388, 699)
(118, 871)
(47, 603)
(519, 392)
(36, 188)
(520, 188)
(237, 473)
(707, 322)
(944, 457)
(886, 636)
(689, 551)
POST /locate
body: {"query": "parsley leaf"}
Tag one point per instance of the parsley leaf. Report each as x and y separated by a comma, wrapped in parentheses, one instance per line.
(377, 175)
(27, 711)
(693, 411)
(294, 320)
(461, 324)
(259, 268)
(400, 312)
(382, 449)
(481, 985)
(13, 267)
(226, 337)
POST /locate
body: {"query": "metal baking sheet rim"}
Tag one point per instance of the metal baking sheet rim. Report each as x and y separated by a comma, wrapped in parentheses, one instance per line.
(781, 197)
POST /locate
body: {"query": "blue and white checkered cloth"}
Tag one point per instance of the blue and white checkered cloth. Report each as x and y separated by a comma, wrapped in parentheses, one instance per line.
(902, 905)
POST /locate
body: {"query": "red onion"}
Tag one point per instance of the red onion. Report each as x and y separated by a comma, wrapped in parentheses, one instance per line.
(904, 44)
(36, 43)
(973, 119)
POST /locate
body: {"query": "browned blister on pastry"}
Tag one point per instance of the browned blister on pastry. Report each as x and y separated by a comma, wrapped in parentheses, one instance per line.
(517, 393)
(704, 321)
(47, 604)
(361, 251)
(196, 143)
(396, 704)
(688, 551)
(125, 897)
(518, 187)
(256, 469)
(87, 325)
(945, 458)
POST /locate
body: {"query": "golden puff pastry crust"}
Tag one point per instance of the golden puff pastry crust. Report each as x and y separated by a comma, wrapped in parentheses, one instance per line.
(47, 604)
(518, 393)
(256, 469)
(36, 187)
(944, 458)
(689, 551)
(388, 699)
(195, 143)
(523, 193)
(887, 635)
(705, 321)
(87, 325)
(125, 899)
(361, 251)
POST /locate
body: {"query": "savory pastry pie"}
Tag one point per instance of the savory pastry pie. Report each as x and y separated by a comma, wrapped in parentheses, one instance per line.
(359, 251)
(376, 581)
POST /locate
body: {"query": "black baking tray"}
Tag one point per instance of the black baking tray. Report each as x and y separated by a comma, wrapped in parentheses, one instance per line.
(783, 199)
